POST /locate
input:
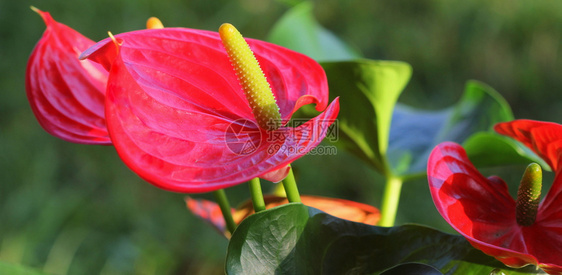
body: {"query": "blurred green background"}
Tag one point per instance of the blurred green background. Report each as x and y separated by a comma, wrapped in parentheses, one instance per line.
(76, 209)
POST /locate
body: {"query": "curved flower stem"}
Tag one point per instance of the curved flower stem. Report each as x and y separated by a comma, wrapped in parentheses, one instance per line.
(290, 186)
(257, 195)
(390, 201)
(222, 200)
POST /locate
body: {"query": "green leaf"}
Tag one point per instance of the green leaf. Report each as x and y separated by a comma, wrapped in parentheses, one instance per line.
(487, 149)
(296, 239)
(14, 269)
(396, 139)
(369, 90)
(298, 30)
(414, 133)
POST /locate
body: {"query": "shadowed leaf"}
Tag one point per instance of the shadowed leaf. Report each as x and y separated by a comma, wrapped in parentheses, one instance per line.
(296, 239)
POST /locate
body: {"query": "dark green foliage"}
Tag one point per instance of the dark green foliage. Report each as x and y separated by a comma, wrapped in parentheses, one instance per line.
(296, 239)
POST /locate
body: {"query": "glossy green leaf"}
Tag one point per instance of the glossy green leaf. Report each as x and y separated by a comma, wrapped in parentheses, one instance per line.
(368, 91)
(15, 269)
(414, 133)
(298, 30)
(396, 139)
(486, 149)
(296, 239)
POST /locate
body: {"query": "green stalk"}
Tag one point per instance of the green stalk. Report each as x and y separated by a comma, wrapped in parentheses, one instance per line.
(279, 190)
(222, 200)
(290, 186)
(257, 195)
(390, 201)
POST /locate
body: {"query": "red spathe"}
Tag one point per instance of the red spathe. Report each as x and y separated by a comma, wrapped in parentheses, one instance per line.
(173, 99)
(482, 209)
(66, 94)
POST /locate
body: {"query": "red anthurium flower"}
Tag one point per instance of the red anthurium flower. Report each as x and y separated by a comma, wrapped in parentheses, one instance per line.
(178, 116)
(483, 211)
(66, 94)
(344, 209)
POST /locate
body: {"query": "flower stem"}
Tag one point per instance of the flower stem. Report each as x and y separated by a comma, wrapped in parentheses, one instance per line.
(222, 200)
(390, 201)
(257, 195)
(290, 186)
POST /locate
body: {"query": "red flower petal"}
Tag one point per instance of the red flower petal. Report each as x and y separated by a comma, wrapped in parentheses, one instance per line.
(179, 119)
(296, 80)
(545, 139)
(481, 209)
(66, 95)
